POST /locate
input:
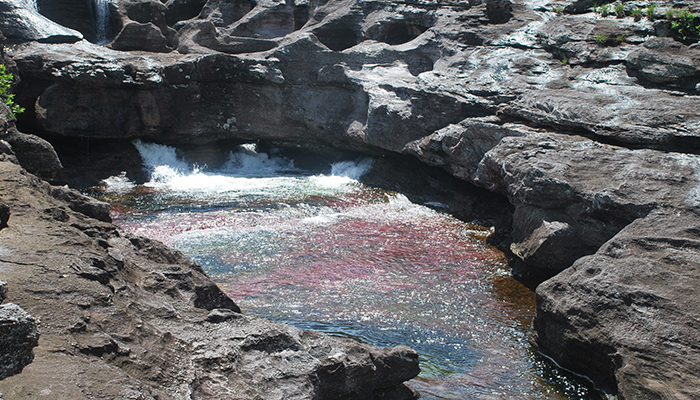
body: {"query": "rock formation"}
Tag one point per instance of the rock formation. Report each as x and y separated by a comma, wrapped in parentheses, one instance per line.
(588, 125)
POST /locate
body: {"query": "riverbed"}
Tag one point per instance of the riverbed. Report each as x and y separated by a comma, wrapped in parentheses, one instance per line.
(323, 251)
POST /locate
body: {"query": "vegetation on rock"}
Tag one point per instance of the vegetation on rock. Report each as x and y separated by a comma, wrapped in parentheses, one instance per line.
(6, 95)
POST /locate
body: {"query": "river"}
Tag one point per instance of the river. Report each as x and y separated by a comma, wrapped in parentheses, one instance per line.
(325, 252)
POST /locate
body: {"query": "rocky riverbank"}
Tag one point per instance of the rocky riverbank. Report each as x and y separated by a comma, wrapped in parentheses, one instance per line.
(585, 118)
(124, 317)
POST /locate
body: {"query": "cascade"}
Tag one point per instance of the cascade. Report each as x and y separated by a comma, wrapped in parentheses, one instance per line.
(101, 20)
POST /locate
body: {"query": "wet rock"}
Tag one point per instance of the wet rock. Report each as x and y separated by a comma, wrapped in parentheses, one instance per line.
(18, 336)
(119, 308)
(573, 194)
(21, 20)
(627, 316)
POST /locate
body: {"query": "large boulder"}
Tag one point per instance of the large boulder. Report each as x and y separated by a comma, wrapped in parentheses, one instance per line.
(573, 194)
(20, 19)
(628, 316)
(35, 154)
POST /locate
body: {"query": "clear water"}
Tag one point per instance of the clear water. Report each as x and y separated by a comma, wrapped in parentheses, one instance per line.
(325, 252)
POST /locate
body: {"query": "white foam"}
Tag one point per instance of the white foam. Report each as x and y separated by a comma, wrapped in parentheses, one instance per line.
(246, 161)
(352, 169)
(246, 172)
(118, 184)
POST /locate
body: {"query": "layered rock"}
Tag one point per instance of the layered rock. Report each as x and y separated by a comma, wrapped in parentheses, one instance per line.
(126, 317)
(628, 315)
(573, 194)
(21, 20)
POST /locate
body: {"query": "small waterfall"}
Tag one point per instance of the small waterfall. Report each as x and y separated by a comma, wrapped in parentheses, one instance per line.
(101, 20)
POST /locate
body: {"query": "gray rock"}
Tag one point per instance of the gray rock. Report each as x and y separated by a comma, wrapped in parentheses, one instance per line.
(81, 203)
(665, 61)
(138, 36)
(627, 317)
(460, 147)
(35, 154)
(499, 11)
(20, 20)
(221, 314)
(3, 290)
(573, 194)
(18, 336)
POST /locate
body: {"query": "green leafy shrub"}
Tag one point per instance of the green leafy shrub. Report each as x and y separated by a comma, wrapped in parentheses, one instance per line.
(6, 80)
(686, 25)
(601, 38)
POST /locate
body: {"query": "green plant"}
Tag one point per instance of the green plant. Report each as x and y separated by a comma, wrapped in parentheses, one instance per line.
(651, 7)
(601, 38)
(559, 10)
(565, 61)
(603, 10)
(6, 80)
(670, 13)
(636, 13)
(620, 10)
(619, 39)
(686, 24)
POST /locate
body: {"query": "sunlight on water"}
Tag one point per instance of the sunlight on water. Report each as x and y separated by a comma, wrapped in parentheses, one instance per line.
(330, 254)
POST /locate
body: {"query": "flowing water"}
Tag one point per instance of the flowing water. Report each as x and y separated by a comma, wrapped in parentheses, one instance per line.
(101, 20)
(325, 252)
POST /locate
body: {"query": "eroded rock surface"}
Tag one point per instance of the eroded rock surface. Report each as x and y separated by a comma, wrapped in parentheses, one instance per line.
(572, 194)
(127, 317)
(628, 315)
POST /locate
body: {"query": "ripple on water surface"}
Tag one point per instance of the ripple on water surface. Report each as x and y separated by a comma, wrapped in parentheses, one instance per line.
(327, 253)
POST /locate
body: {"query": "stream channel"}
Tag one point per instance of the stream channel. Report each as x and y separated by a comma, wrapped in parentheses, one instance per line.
(325, 252)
